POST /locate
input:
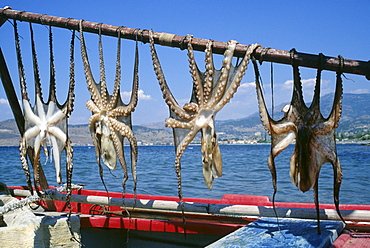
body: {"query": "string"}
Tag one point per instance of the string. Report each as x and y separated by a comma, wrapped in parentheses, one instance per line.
(272, 89)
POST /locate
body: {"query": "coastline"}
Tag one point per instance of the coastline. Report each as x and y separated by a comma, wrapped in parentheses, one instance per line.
(354, 142)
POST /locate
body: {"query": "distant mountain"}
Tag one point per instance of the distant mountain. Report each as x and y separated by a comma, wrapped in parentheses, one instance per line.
(9, 134)
(355, 117)
(80, 134)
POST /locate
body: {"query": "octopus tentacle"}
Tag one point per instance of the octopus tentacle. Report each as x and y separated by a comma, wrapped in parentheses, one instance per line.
(22, 78)
(52, 85)
(135, 85)
(211, 155)
(92, 120)
(194, 71)
(103, 83)
(337, 104)
(120, 111)
(39, 108)
(120, 153)
(91, 84)
(209, 74)
(264, 114)
(71, 95)
(36, 74)
(90, 105)
(46, 122)
(97, 146)
(167, 95)
(337, 183)
(36, 172)
(283, 132)
(199, 114)
(126, 110)
(117, 79)
(179, 151)
(285, 125)
(111, 119)
(23, 155)
(171, 122)
(316, 97)
(69, 168)
(297, 89)
(315, 137)
(57, 155)
(29, 115)
(224, 78)
(230, 91)
(126, 131)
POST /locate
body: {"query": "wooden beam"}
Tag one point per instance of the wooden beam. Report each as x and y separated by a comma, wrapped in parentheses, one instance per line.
(165, 39)
(10, 93)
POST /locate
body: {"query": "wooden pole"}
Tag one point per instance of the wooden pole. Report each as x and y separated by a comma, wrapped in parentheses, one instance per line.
(10, 93)
(165, 39)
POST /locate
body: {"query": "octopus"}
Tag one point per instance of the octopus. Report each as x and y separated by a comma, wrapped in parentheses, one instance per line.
(46, 123)
(111, 119)
(315, 136)
(212, 89)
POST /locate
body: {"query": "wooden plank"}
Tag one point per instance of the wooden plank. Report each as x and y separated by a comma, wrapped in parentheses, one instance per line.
(266, 54)
(10, 93)
(265, 232)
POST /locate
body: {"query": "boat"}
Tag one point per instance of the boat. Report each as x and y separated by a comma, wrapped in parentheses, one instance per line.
(102, 219)
(156, 221)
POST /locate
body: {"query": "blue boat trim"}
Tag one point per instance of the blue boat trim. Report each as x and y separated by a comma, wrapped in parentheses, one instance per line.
(265, 232)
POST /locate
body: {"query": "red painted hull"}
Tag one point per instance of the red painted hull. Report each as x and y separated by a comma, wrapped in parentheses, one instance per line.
(156, 223)
(115, 217)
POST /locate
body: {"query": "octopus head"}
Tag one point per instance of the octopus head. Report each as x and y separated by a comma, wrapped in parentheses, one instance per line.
(205, 117)
(107, 151)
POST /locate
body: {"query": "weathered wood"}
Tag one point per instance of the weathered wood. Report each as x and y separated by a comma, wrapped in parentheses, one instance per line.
(10, 93)
(268, 54)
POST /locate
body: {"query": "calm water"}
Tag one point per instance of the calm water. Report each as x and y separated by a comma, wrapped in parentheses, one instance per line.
(245, 172)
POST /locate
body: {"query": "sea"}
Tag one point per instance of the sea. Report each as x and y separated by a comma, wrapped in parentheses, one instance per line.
(245, 172)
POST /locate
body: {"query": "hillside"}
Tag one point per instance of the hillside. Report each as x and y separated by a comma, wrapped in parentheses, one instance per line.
(80, 135)
(355, 118)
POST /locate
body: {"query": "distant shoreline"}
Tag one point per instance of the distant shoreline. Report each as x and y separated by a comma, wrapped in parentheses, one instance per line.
(354, 142)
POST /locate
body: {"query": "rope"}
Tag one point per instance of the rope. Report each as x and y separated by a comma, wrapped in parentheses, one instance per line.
(165, 39)
(33, 198)
(18, 204)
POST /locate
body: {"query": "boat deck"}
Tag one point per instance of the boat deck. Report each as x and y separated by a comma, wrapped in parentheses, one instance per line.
(352, 240)
(163, 226)
(272, 232)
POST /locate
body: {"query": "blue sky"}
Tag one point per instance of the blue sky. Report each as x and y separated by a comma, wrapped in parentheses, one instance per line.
(330, 27)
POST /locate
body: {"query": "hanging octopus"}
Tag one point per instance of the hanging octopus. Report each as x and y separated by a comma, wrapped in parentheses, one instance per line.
(212, 89)
(46, 124)
(315, 136)
(111, 119)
